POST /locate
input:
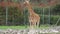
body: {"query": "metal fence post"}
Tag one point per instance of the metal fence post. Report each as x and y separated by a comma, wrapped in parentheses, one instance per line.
(43, 15)
(6, 15)
(49, 14)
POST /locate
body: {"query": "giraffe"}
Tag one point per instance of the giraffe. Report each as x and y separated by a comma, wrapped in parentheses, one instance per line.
(33, 17)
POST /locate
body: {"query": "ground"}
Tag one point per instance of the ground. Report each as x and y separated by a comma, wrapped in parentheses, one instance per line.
(42, 29)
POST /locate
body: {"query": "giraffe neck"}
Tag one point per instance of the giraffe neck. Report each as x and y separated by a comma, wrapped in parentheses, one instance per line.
(30, 10)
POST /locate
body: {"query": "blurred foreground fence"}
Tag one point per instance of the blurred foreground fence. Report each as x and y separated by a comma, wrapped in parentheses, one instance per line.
(12, 15)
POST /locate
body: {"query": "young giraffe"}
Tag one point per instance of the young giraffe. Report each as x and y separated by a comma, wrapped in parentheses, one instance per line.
(34, 18)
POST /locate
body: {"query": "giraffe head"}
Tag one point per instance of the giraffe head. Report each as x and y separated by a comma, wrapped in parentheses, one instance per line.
(26, 3)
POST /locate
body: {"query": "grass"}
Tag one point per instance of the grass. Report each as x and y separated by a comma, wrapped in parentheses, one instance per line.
(44, 26)
(22, 27)
(12, 27)
(49, 33)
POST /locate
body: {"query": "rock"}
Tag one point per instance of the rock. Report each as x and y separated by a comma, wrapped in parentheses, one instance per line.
(33, 31)
(30, 31)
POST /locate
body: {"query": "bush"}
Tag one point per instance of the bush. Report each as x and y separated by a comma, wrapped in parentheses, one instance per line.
(56, 10)
(53, 20)
(16, 18)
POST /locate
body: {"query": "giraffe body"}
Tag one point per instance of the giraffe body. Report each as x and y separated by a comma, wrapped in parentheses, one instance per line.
(34, 18)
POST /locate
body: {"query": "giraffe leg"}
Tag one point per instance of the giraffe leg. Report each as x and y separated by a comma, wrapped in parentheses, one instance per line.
(29, 23)
(37, 24)
(34, 24)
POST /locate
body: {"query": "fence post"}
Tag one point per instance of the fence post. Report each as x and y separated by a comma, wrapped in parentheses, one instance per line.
(6, 15)
(49, 14)
(43, 15)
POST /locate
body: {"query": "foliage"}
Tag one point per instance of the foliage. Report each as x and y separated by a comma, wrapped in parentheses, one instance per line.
(16, 18)
(56, 9)
(53, 20)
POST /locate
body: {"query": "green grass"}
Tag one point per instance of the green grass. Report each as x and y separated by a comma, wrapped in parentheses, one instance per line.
(12, 27)
(22, 27)
(49, 33)
(44, 26)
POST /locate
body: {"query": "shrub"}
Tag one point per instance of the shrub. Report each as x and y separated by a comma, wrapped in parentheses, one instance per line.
(16, 18)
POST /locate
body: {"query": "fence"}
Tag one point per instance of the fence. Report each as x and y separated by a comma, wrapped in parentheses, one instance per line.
(10, 15)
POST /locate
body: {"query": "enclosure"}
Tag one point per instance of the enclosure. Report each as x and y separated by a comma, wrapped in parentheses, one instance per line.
(14, 15)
